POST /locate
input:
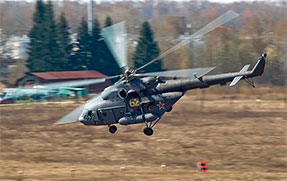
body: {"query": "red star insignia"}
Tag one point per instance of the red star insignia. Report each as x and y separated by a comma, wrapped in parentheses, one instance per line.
(160, 106)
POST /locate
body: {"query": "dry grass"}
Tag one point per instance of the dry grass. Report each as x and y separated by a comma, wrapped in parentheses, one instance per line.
(239, 140)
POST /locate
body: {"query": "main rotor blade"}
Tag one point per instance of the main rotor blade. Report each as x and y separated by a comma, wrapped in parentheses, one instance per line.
(229, 15)
(75, 83)
(115, 38)
(72, 116)
(183, 73)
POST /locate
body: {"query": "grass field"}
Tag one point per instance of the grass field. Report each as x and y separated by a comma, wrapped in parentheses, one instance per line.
(240, 138)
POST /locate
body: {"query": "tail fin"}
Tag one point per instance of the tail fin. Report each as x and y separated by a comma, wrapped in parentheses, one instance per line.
(259, 67)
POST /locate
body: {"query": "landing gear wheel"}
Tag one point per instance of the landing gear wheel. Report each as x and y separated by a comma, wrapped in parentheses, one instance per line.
(148, 131)
(169, 109)
(113, 129)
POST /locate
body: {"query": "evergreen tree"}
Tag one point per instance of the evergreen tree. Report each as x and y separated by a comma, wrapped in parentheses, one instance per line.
(37, 54)
(108, 21)
(44, 50)
(65, 47)
(54, 57)
(97, 30)
(147, 50)
(95, 48)
(82, 56)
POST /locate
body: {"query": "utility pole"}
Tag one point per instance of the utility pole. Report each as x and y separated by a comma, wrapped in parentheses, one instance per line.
(90, 16)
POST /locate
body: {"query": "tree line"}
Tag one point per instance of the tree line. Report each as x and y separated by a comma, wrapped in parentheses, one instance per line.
(51, 47)
(261, 27)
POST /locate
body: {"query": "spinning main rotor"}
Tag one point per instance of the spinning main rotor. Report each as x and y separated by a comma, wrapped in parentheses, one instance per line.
(115, 38)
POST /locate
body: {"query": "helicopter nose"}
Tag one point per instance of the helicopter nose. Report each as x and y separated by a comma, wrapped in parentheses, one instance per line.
(86, 115)
(83, 116)
(86, 118)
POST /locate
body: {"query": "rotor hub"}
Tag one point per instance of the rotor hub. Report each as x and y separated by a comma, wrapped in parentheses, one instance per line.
(128, 75)
(128, 72)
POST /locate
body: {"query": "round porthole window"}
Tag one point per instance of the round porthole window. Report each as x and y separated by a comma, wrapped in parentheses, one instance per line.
(104, 114)
(122, 93)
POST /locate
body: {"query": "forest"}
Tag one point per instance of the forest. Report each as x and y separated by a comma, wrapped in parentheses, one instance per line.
(261, 27)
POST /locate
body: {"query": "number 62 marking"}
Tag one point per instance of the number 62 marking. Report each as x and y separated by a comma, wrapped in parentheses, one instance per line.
(134, 102)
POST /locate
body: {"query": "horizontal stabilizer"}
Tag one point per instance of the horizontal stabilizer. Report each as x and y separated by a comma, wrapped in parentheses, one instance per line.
(238, 78)
(182, 73)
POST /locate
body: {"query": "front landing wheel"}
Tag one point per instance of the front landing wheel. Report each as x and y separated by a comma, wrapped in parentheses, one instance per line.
(148, 131)
(113, 129)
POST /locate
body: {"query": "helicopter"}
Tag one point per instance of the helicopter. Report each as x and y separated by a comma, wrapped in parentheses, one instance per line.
(146, 97)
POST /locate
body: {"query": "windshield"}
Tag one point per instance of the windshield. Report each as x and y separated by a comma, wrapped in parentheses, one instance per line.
(84, 114)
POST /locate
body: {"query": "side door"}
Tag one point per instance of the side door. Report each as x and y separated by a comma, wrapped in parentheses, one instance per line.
(119, 112)
(106, 115)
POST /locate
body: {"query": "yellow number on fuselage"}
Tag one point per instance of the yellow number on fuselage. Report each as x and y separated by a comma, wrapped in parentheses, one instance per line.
(134, 102)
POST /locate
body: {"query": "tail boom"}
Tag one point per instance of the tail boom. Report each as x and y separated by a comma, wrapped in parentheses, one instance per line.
(209, 80)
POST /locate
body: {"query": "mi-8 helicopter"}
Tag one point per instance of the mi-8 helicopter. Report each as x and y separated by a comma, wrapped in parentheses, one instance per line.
(146, 97)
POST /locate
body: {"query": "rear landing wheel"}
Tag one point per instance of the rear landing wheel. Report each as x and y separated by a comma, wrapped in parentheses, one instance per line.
(169, 109)
(148, 131)
(113, 129)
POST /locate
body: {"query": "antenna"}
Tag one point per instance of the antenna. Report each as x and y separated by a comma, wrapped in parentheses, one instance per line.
(90, 16)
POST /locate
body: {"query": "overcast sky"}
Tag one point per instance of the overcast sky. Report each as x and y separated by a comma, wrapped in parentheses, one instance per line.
(220, 1)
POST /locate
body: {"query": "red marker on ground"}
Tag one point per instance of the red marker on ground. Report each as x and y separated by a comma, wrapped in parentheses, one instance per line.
(201, 166)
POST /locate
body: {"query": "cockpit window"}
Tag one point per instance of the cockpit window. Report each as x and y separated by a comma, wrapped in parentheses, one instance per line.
(89, 115)
(84, 114)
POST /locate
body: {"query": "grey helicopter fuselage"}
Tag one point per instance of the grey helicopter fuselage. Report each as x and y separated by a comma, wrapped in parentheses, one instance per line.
(129, 102)
(145, 99)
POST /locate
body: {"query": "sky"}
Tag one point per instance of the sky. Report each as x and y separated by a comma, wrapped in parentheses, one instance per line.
(219, 1)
